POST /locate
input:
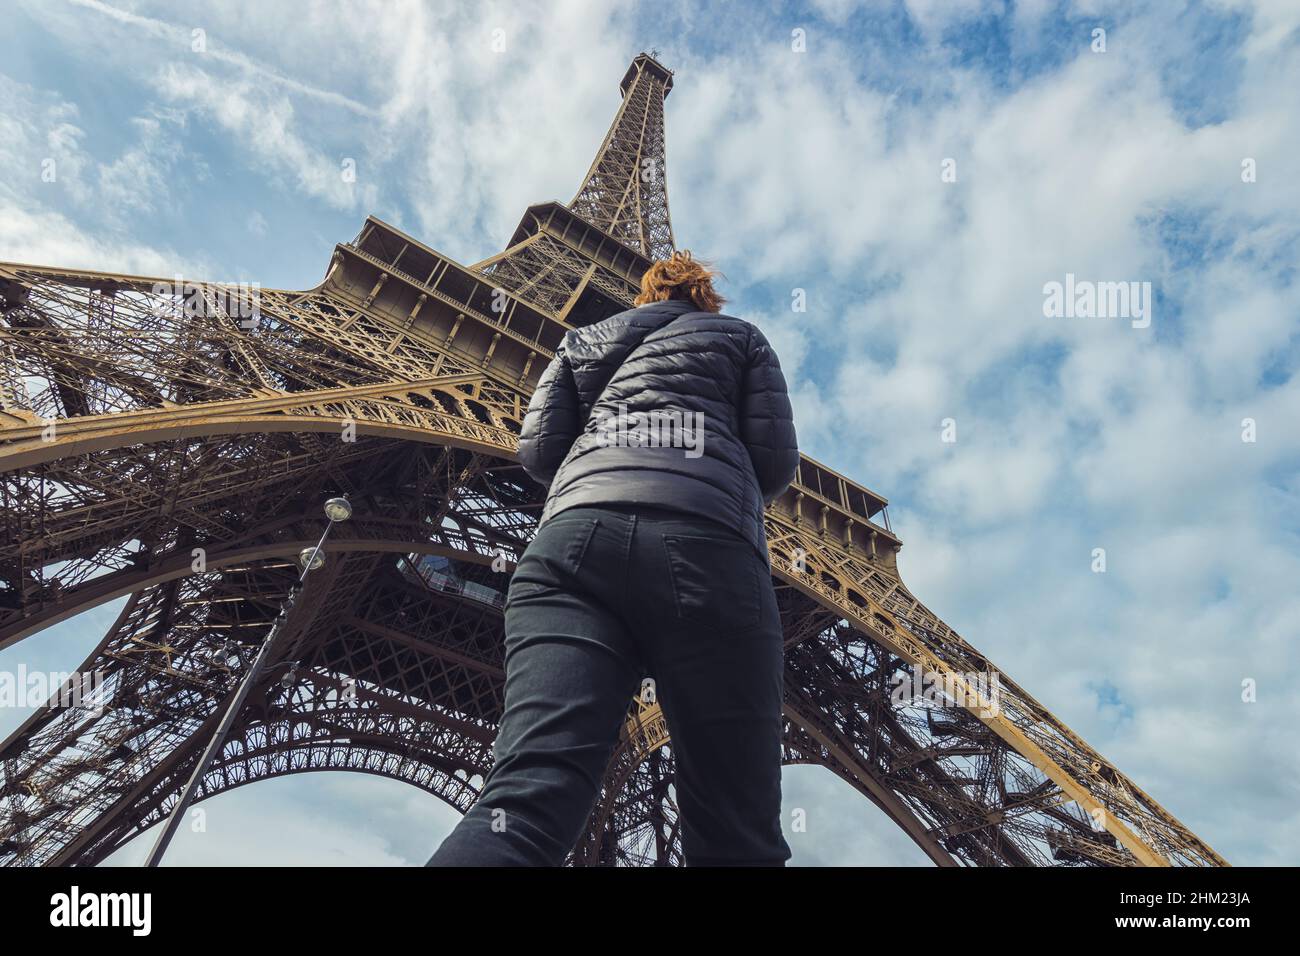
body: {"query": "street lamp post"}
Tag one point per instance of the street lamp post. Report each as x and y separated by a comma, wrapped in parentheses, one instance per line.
(336, 510)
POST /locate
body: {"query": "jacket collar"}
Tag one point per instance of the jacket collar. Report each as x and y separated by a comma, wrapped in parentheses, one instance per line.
(652, 315)
(668, 306)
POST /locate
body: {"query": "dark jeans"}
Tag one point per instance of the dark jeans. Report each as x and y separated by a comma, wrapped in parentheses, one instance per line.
(601, 598)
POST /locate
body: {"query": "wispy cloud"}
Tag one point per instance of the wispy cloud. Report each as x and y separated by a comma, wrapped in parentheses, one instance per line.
(263, 126)
(181, 38)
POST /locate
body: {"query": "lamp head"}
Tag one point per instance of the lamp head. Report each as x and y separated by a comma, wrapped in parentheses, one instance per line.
(305, 555)
(338, 509)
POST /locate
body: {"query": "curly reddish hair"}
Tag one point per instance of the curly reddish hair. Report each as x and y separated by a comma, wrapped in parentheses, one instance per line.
(681, 277)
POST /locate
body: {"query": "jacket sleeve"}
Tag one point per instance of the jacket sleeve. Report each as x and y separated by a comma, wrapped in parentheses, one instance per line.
(766, 419)
(551, 424)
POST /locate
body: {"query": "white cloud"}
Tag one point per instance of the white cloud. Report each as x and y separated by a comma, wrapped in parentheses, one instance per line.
(316, 819)
(263, 125)
(194, 40)
(60, 205)
(42, 237)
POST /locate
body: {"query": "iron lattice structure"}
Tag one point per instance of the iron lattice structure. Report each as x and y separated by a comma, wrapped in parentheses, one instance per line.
(159, 444)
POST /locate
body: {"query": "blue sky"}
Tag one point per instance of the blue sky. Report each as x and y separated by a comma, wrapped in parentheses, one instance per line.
(815, 170)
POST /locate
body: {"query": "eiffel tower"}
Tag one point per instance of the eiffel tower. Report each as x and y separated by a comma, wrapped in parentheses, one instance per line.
(162, 442)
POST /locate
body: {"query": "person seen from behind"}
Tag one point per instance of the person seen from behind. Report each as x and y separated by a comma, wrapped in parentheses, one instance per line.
(660, 433)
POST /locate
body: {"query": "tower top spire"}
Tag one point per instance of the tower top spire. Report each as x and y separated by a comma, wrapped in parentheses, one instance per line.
(650, 61)
(625, 192)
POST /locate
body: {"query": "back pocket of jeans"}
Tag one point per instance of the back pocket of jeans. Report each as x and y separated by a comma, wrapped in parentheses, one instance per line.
(556, 553)
(579, 541)
(715, 581)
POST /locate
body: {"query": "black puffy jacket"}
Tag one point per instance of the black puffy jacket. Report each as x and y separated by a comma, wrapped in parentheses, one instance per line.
(706, 426)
